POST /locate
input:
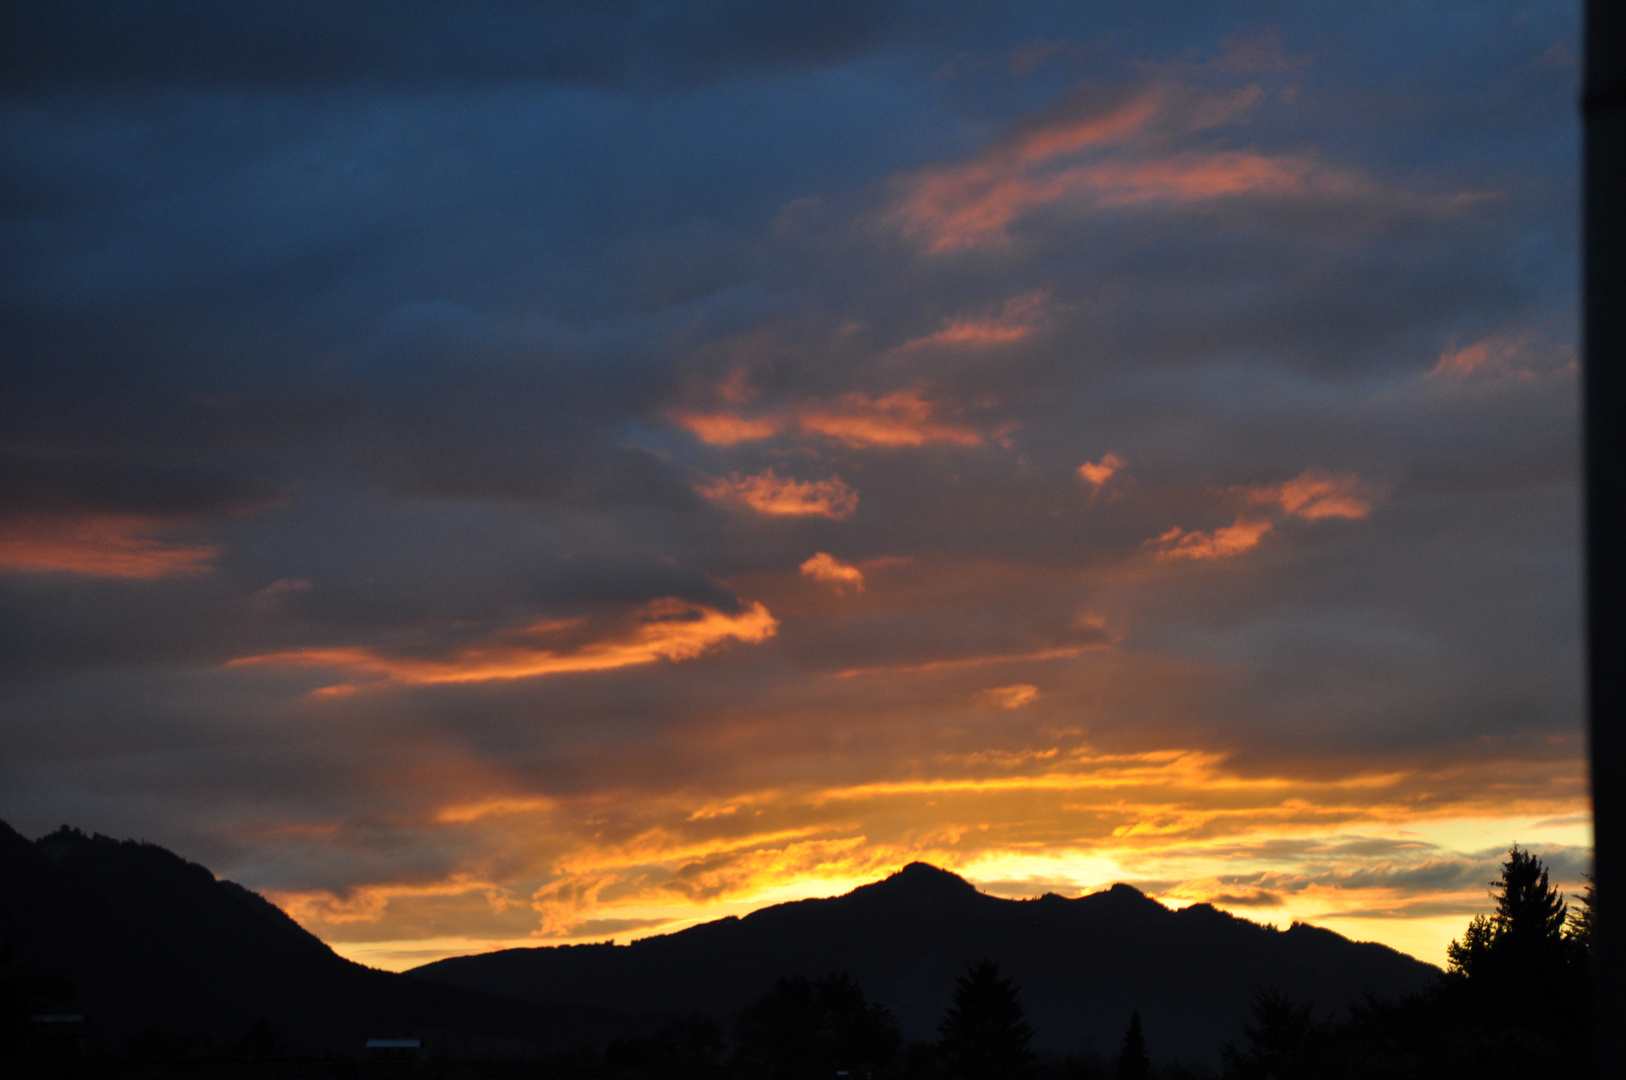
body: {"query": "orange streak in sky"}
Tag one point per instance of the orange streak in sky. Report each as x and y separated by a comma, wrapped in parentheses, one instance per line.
(672, 630)
(1315, 495)
(1223, 543)
(1063, 653)
(781, 496)
(727, 429)
(1191, 177)
(902, 418)
(973, 204)
(1015, 321)
(102, 545)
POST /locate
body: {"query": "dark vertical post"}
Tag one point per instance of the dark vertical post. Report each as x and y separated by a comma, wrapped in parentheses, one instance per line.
(1603, 110)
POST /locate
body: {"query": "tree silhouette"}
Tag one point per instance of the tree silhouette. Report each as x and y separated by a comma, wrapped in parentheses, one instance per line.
(1579, 930)
(985, 1034)
(1515, 1003)
(1282, 1043)
(806, 1028)
(693, 1042)
(1133, 1064)
(1523, 939)
(1518, 966)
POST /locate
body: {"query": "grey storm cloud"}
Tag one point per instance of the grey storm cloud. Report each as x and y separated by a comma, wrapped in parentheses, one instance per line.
(277, 44)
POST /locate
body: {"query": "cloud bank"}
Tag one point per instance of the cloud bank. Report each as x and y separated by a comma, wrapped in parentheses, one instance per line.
(507, 474)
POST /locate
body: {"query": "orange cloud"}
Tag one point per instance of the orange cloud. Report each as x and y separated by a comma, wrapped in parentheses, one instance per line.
(1191, 177)
(1505, 357)
(669, 629)
(1063, 652)
(1011, 697)
(1491, 356)
(772, 494)
(1314, 495)
(973, 204)
(1388, 842)
(1243, 535)
(902, 418)
(826, 568)
(1015, 321)
(1379, 847)
(726, 429)
(499, 807)
(1098, 473)
(99, 545)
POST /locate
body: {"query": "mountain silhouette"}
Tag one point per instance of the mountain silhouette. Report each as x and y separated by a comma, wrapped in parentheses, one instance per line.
(151, 941)
(1082, 965)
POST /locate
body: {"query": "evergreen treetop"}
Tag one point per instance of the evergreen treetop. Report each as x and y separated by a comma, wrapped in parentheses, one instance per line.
(1133, 1062)
(985, 1034)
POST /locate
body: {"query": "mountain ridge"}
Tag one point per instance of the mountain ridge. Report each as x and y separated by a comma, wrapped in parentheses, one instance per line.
(153, 940)
(149, 940)
(1083, 963)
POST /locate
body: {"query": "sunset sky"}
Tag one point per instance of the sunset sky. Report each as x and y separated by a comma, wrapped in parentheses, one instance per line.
(516, 474)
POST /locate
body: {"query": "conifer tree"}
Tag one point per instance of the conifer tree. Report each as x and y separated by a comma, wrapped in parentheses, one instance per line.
(1517, 966)
(1524, 939)
(1282, 1043)
(985, 1034)
(1133, 1064)
(1579, 930)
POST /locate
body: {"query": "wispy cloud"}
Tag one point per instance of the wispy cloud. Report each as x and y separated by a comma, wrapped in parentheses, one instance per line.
(99, 545)
(902, 418)
(1315, 495)
(668, 629)
(1117, 157)
(972, 204)
(1011, 697)
(1183, 823)
(782, 496)
(1311, 496)
(1014, 321)
(1222, 543)
(727, 429)
(1506, 356)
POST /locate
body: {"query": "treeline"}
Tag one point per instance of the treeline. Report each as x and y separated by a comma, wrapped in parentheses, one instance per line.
(1514, 1002)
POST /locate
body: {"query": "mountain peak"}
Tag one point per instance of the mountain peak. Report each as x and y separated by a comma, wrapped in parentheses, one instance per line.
(924, 879)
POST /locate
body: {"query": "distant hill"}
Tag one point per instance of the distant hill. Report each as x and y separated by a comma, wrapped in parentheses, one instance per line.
(1082, 965)
(150, 940)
